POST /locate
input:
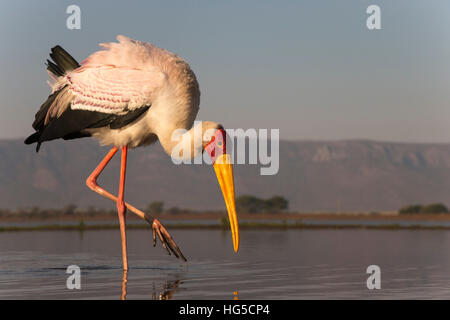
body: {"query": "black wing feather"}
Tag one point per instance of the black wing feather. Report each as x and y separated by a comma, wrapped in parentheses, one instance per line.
(53, 68)
(72, 123)
(63, 60)
(39, 118)
(122, 121)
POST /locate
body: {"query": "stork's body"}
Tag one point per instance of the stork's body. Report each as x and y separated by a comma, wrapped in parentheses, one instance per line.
(129, 95)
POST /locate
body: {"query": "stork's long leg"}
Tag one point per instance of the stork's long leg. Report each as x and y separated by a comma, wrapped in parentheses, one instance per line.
(121, 209)
(157, 227)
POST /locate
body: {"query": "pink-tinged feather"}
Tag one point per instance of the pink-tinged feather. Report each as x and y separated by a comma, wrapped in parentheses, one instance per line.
(127, 74)
(112, 89)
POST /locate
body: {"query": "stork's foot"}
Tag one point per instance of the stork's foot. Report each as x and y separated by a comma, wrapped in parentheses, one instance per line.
(166, 239)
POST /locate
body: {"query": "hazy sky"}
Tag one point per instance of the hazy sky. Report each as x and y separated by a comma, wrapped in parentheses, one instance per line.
(310, 68)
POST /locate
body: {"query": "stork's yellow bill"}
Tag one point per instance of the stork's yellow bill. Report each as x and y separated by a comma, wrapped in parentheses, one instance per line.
(224, 171)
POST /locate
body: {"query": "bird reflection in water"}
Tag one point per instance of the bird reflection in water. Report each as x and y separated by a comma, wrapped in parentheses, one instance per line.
(165, 293)
(123, 296)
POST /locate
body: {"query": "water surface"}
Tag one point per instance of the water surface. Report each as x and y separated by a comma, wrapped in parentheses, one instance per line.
(271, 264)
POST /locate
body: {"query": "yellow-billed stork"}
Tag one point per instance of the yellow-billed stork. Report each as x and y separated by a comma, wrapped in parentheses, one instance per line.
(127, 95)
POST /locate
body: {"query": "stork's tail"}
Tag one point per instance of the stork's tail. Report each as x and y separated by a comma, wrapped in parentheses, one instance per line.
(62, 63)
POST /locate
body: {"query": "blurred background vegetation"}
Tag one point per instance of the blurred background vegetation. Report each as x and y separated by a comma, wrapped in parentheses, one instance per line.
(246, 204)
(252, 204)
(429, 208)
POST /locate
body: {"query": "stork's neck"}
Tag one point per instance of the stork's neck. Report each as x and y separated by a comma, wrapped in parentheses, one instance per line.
(181, 143)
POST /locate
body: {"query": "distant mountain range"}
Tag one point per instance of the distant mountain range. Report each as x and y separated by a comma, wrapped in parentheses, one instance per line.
(313, 175)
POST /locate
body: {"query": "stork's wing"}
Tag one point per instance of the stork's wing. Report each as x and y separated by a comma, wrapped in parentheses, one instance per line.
(113, 90)
(93, 97)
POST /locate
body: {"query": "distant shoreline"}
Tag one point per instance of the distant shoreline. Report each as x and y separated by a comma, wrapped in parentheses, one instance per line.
(386, 221)
(244, 226)
(193, 216)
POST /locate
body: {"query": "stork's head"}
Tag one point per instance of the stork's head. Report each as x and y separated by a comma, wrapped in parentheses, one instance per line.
(215, 144)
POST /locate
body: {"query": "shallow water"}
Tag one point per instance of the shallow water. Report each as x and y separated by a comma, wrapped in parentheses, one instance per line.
(271, 264)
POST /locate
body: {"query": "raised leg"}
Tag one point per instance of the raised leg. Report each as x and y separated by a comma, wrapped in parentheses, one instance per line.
(121, 209)
(91, 182)
(157, 227)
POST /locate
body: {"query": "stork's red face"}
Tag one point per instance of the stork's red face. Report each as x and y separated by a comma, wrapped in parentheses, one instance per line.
(217, 146)
(216, 149)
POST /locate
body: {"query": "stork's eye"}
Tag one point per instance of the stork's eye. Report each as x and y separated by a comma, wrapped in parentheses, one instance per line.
(219, 144)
